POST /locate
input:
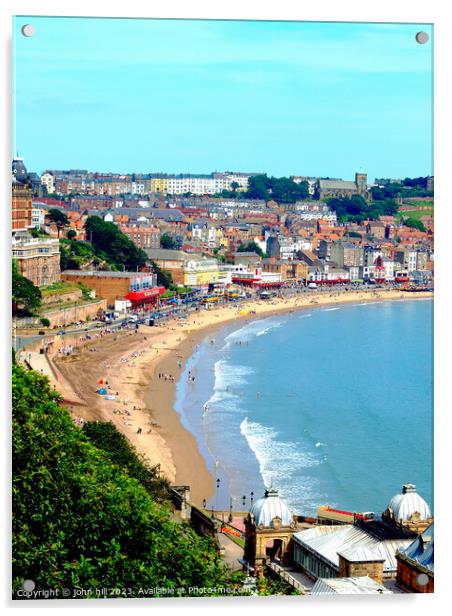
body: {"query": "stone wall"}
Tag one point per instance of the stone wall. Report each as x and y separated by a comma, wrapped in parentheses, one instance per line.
(106, 287)
(374, 569)
(64, 316)
(70, 296)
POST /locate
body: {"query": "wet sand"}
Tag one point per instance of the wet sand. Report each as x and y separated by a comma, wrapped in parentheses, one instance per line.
(131, 362)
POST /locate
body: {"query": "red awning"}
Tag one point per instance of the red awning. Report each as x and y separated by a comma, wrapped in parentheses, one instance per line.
(263, 283)
(145, 294)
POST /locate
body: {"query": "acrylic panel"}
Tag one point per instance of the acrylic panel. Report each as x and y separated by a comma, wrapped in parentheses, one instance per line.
(222, 307)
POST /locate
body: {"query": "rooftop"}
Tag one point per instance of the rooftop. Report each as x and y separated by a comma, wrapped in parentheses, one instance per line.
(327, 541)
(337, 185)
(269, 507)
(104, 274)
(349, 586)
(421, 551)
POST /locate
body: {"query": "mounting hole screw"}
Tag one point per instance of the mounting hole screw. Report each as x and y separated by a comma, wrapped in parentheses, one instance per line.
(422, 579)
(28, 30)
(422, 37)
(29, 585)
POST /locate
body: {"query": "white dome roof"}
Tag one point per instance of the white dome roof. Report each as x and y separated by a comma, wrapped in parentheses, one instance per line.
(404, 505)
(269, 507)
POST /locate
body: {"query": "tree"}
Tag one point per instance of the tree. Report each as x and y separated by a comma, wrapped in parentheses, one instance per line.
(82, 520)
(26, 297)
(166, 241)
(110, 241)
(235, 186)
(258, 187)
(58, 217)
(71, 234)
(251, 247)
(356, 209)
(413, 223)
(282, 190)
(164, 277)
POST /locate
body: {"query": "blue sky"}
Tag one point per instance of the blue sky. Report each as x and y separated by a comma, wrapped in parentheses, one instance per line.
(196, 96)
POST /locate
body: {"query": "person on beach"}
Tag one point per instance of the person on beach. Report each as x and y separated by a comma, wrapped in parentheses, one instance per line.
(139, 431)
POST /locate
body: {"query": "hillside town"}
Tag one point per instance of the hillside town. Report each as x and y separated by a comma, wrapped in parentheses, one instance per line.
(212, 232)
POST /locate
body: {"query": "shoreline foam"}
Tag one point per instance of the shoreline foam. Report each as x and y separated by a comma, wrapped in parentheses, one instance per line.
(159, 349)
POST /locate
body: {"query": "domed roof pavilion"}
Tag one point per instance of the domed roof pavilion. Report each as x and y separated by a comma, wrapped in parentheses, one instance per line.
(408, 509)
(270, 506)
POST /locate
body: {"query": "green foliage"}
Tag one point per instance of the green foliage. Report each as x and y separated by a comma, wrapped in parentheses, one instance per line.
(251, 247)
(168, 293)
(81, 521)
(354, 234)
(356, 209)
(106, 437)
(74, 254)
(38, 233)
(282, 190)
(58, 217)
(164, 277)
(26, 298)
(414, 223)
(269, 585)
(409, 187)
(71, 234)
(45, 322)
(166, 241)
(86, 291)
(109, 240)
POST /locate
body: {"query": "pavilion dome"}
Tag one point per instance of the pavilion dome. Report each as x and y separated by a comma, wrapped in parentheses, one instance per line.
(403, 506)
(269, 507)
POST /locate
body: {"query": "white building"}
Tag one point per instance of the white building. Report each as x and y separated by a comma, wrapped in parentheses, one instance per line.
(37, 217)
(390, 267)
(48, 181)
(122, 305)
(206, 184)
(302, 178)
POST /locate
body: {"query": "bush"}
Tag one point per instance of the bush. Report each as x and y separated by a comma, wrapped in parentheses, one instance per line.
(106, 437)
(45, 322)
(81, 521)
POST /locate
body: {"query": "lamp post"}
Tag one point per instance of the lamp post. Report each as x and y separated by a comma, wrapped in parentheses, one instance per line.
(204, 503)
(218, 487)
(230, 510)
(243, 501)
(252, 498)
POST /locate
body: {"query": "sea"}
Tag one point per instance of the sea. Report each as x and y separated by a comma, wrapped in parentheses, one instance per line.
(330, 406)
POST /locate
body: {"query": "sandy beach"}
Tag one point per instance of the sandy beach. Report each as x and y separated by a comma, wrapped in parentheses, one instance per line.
(129, 364)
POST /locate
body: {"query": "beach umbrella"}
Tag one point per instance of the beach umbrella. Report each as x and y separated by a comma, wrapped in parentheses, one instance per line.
(100, 382)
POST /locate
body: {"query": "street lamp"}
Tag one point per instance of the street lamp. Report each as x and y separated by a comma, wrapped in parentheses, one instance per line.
(230, 510)
(252, 498)
(204, 503)
(218, 487)
(243, 501)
